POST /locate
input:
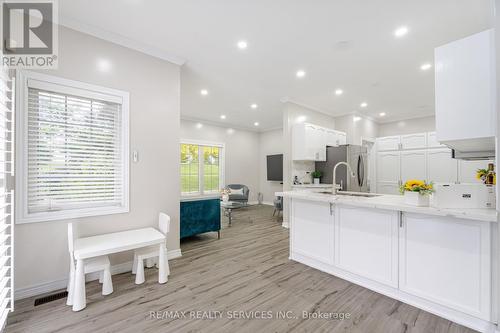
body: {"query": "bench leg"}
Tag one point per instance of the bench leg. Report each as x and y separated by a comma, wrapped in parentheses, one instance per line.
(162, 262)
(78, 297)
(139, 272)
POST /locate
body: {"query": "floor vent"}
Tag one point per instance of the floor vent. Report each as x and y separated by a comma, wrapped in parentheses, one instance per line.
(50, 298)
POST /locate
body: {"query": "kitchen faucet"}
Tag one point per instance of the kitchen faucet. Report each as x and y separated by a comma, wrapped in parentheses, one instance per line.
(337, 186)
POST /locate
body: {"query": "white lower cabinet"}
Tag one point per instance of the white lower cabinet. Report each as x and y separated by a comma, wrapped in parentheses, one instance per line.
(447, 261)
(366, 243)
(312, 230)
(440, 264)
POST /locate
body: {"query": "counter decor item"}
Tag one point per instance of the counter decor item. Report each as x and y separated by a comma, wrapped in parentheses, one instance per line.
(224, 194)
(417, 192)
(487, 176)
(316, 176)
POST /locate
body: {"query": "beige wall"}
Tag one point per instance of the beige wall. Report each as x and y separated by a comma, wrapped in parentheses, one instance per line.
(270, 143)
(41, 250)
(241, 154)
(417, 125)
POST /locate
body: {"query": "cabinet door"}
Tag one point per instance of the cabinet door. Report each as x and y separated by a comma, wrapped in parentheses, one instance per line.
(366, 243)
(441, 168)
(447, 261)
(388, 143)
(341, 138)
(465, 90)
(432, 141)
(414, 141)
(321, 137)
(388, 167)
(467, 170)
(413, 165)
(331, 138)
(312, 230)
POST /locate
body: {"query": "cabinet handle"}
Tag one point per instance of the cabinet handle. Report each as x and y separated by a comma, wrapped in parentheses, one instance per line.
(400, 219)
(331, 208)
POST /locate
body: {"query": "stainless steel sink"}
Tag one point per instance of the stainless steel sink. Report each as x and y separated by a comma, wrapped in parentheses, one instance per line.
(353, 194)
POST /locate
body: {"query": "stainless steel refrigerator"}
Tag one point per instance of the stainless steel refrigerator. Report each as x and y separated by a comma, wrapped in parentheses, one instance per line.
(356, 157)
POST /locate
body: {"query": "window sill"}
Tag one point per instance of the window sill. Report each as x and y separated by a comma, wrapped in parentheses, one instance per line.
(70, 214)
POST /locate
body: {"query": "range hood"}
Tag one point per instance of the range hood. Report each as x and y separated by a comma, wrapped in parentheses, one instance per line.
(473, 156)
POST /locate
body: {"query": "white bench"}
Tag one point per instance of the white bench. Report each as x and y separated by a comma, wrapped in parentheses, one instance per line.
(101, 245)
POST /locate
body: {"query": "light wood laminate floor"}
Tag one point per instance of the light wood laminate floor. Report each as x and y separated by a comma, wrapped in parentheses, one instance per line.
(247, 272)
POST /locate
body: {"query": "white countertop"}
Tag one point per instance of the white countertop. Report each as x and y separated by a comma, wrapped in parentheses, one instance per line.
(312, 186)
(393, 202)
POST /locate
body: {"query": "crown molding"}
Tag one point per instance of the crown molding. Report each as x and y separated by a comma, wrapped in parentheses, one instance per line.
(120, 40)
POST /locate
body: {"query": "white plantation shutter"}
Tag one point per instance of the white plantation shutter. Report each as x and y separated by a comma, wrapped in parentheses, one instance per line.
(6, 196)
(75, 151)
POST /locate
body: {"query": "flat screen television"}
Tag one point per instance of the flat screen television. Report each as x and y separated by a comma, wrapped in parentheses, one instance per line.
(275, 167)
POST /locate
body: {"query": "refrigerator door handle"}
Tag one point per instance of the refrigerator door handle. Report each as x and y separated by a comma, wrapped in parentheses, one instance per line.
(361, 171)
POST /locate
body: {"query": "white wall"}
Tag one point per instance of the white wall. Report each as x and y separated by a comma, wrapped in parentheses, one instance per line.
(356, 130)
(241, 154)
(410, 126)
(270, 143)
(41, 250)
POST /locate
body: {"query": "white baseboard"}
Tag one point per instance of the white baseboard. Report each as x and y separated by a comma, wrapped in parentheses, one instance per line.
(285, 225)
(46, 287)
(268, 203)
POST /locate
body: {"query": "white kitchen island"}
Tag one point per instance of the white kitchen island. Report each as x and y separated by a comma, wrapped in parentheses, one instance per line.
(439, 260)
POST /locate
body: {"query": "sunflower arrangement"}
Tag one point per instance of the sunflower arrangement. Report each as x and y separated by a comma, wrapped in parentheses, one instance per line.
(415, 185)
(481, 176)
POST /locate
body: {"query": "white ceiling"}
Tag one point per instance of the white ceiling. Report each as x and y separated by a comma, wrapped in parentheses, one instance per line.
(347, 44)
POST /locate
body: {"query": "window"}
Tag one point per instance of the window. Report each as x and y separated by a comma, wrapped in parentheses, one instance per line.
(73, 149)
(201, 168)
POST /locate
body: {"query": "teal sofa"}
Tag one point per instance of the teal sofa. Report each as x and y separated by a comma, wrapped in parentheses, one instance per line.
(200, 216)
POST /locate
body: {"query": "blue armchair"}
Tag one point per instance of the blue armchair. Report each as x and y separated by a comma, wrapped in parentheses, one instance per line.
(241, 197)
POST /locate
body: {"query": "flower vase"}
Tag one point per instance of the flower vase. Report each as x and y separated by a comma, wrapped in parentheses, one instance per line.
(316, 181)
(416, 199)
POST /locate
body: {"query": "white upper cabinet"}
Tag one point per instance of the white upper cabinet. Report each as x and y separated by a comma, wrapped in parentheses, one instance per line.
(413, 165)
(441, 168)
(465, 93)
(309, 141)
(331, 138)
(432, 141)
(414, 141)
(341, 138)
(388, 143)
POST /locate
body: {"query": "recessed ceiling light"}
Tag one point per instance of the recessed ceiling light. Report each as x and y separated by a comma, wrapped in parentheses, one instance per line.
(401, 31)
(301, 119)
(222, 116)
(256, 123)
(425, 66)
(199, 125)
(254, 106)
(339, 92)
(242, 44)
(363, 105)
(382, 114)
(300, 73)
(356, 118)
(204, 92)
